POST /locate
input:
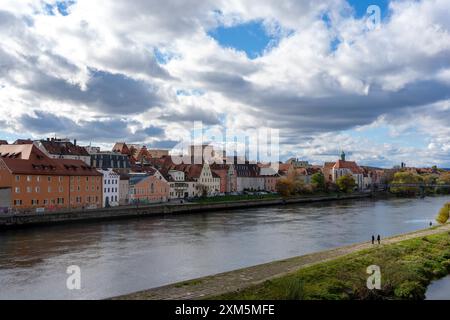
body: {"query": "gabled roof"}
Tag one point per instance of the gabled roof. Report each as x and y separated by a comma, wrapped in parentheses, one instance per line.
(66, 148)
(350, 165)
(28, 159)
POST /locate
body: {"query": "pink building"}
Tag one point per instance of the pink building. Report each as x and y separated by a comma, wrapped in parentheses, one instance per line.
(150, 187)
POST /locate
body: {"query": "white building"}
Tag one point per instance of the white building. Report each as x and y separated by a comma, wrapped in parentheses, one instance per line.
(208, 181)
(343, 167)
(180, 187)
(111, 185)
(249, 178)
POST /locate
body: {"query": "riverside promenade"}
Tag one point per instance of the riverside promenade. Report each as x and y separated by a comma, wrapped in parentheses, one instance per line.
(47, 218)
(211, 286)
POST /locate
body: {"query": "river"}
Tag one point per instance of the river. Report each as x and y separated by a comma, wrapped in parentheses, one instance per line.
(124, 256)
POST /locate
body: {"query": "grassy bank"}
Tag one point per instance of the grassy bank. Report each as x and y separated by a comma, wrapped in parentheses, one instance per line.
(407, 268)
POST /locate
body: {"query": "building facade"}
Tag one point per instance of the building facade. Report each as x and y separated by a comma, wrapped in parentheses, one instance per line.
(111, 187)
(148, 188)
(37, 181)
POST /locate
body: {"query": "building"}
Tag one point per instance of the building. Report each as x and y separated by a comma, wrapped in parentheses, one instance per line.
(109, 160)
(249, 178)
(124, 189)
(227, 175)
(111, 187)
(343, 167)
(2, 142)
(180, 186)
(37, 181)
(148, 187)
(297, 163)
(63, 149)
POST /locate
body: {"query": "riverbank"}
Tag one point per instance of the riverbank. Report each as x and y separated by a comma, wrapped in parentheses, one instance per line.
(47, 218)
(408, 263)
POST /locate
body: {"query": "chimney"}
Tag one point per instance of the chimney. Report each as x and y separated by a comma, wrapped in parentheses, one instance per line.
(75, 142)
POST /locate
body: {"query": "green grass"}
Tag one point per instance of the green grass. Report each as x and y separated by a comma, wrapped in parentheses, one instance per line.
(407, 268)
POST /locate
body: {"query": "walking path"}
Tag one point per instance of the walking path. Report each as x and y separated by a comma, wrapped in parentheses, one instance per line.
(239, 279)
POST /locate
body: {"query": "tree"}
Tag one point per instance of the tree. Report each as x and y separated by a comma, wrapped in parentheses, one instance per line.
(443, 214)
(404, 178)
(346, 183)
(318, 181)
(285, 187)
(444, 179)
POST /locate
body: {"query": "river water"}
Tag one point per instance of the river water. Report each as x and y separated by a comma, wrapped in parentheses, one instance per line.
(124, 256)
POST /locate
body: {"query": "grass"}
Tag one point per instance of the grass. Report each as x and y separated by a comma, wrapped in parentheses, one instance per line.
(407, 268)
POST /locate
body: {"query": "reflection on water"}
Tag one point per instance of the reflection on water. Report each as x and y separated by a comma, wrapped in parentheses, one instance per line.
(439, 289)
(130, 255)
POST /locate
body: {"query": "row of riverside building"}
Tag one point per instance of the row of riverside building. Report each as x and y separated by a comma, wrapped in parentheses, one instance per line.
(55, 174)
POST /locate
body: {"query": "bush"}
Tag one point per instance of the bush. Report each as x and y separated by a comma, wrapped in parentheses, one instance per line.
(443, 214)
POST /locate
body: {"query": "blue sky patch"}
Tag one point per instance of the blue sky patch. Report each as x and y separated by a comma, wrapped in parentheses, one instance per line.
(61, 6)
(361, 6)
(250, 37)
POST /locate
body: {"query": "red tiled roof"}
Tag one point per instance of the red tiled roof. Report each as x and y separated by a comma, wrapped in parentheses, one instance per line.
(31, 160)
(351, 165)
(63, 148)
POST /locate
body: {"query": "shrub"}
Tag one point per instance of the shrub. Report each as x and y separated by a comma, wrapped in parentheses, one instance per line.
(443, 214)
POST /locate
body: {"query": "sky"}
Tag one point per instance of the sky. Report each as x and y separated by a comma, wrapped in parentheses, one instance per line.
(328, 75)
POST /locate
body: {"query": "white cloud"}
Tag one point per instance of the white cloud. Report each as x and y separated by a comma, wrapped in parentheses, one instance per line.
(98, 62)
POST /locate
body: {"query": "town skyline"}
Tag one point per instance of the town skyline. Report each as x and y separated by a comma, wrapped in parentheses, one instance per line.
(312, 69)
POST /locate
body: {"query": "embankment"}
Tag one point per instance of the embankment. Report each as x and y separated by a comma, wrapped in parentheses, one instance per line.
(33, 219)
(408, 263)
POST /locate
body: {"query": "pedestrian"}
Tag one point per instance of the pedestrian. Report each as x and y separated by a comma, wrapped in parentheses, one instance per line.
(431, 223)
(379, 239)
(373, 239)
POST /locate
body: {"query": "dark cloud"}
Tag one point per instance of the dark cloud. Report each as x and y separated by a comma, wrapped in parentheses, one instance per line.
(106, 92)
(106, 130)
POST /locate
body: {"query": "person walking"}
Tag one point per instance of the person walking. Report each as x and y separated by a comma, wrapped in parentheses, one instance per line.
(379, 239)
(373, 239)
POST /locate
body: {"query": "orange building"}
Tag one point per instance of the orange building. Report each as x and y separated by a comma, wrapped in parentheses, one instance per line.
(37, 181)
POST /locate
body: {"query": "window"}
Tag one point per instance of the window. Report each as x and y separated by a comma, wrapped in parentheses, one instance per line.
(17, 178)
(37, 189)
(49, 179)
(61, 189)
(38, 178)
(17, 190)
(49, 189)
(17, 202)
(29, 189)
(28, 178)
(34, 202)
(60, 179)
(45, 201)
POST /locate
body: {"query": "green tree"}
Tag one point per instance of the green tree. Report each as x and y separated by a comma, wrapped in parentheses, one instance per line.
(318, 181)
(346, 183)
(443, 214)
(444, 179)
(401, 181)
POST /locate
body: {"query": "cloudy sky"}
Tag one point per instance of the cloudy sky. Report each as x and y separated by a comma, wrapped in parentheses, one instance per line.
(319, 71)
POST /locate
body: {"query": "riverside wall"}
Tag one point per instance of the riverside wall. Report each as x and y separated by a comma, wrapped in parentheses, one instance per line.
(46, 218)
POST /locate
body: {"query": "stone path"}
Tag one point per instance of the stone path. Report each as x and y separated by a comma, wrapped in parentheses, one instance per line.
(202, 288)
